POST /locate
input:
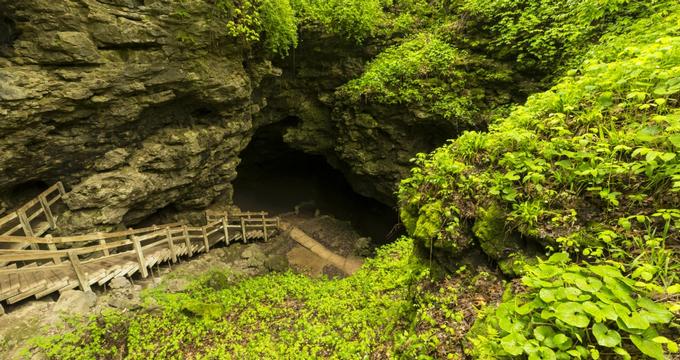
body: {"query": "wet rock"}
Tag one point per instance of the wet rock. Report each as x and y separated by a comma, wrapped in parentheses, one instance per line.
(254, 255)
(362, 246)
(67, 47)
(278, 263)
(75, 302)
(112, 160)
(176, 285)
(219, 280)
(124, 300)
(120, 282)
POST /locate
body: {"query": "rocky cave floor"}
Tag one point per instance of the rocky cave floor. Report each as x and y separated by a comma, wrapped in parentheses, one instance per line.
(32, 318)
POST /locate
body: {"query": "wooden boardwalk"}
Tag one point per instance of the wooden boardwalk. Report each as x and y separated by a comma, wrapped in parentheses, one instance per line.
(35, 266)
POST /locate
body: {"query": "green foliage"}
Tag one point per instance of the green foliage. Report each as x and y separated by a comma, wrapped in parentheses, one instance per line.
(598, 146)
(429, 73)
(544, 35)
(352, 19)
(272, 316)
(574, 311)
(255, 20)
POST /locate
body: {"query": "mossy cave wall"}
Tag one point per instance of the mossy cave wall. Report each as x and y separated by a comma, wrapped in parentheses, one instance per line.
(137, 107)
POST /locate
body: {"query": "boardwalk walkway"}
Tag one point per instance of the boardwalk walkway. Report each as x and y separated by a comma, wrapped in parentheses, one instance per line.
(32, 265)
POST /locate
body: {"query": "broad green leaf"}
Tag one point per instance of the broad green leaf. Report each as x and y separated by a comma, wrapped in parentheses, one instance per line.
(572, 313)
(654, 313)
(620, 290)
(547, 295)
(634, 321)
(672, 345)
(559, 258)
(648, 347)
(606, 271)
(526, 308)
(673, 289)
(513, 344)
(675, 140)
(605, 336)
(542, 332)
(562, 341)
(622, 352)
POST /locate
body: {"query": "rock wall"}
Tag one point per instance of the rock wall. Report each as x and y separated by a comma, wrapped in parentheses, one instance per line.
(133, 106)
(370, 144)
(145, 105)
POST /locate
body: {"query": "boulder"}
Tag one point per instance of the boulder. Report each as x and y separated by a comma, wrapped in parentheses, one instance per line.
(254, 256)
(75, 302)
(278, 263)
(120, 282)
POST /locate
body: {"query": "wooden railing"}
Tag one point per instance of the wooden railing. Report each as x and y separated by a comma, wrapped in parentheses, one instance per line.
(134, 241)
(36, 216)
(52, 263)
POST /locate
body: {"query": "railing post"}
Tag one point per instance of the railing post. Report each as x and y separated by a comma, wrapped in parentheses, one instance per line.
(52, 247)
(225, 226)
(26, 226)
(140, 256)
(205, 239)
(103, 243)
(60, 187)
(187, 241)
(48, 212)
(171, 245)
(75, 262)
(243, 230)
(264, 225)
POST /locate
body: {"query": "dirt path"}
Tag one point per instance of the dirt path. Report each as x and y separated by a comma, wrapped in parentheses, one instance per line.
(349, 265)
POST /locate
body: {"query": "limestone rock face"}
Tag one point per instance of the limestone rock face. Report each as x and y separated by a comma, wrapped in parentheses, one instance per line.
(131, 105)
(141, 106)
(371, 145)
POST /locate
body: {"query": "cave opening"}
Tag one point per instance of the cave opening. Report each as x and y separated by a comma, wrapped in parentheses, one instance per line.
(275, 177)
(22, 193)
(8, 31)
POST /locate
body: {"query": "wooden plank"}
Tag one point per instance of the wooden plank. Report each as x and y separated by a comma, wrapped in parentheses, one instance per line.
(71, 285)
(205, 240)
(26, 226)
(60, 187)
(140, 256)
(8, 218)
(264, 225)
(171, 245)
(52, 247)
(187, 241)
(244, 235)
(105, 250)
(54, 288)
(225, 227)
(48, 212)
(75, 262)
(133, 268)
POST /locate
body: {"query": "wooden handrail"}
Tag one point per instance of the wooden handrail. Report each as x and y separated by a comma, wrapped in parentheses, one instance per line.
(104, 246)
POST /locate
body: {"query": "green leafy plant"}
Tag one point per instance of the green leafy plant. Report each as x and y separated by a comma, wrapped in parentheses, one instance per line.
(575, 311)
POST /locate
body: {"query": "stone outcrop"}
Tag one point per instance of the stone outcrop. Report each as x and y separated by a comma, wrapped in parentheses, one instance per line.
(130, 103)
(140, 106)
(371, 144)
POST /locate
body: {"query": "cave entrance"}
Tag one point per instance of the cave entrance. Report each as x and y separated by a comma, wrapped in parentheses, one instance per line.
(276, 178)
